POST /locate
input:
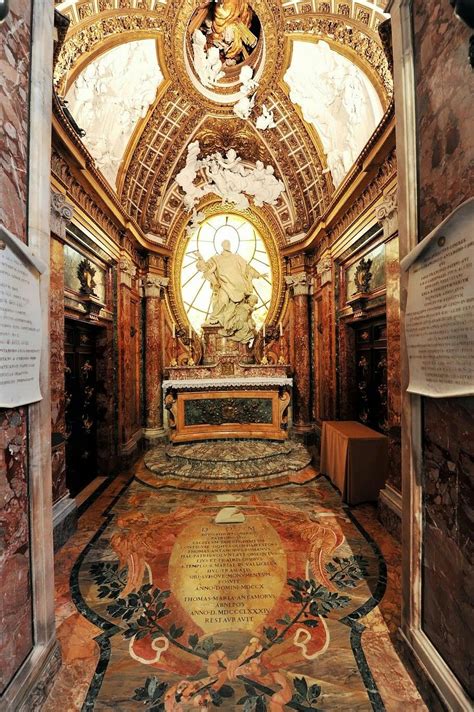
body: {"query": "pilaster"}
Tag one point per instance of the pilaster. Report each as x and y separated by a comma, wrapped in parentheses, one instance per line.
(154, 287)
(64, 507)
(299, 285)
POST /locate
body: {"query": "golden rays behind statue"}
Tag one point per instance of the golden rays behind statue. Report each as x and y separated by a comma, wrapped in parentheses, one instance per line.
(226, 24)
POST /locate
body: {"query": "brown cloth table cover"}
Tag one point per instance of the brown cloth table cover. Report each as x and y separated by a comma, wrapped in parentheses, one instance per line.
(355, 458)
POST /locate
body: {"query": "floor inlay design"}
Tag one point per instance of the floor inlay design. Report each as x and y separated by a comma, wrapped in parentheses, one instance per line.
(227, 465)
(267, 610)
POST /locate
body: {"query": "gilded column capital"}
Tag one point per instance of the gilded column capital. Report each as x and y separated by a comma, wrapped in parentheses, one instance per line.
(299, 284)
(61, 214)
(324, 268)
(387, 214)
(154, 285)
(127, 271)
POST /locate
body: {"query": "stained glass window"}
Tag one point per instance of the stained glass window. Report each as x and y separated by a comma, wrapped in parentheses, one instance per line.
(207, 239)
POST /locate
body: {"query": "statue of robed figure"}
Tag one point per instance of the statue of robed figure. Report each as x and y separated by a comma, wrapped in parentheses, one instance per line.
(233, 294)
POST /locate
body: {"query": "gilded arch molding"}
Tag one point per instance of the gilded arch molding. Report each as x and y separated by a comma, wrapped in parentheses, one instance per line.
(271, 234)
(359, 44)
(90, 38)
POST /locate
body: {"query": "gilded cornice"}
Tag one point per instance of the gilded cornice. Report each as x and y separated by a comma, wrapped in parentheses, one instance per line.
(92, 192)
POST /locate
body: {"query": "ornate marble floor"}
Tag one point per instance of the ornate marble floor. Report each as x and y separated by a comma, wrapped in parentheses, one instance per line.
(293, 605)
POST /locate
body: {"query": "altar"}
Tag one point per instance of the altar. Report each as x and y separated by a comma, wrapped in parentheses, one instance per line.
(217, 408)
(226, 380)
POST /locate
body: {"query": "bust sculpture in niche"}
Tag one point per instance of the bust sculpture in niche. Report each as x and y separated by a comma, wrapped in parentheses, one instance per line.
(233, 294)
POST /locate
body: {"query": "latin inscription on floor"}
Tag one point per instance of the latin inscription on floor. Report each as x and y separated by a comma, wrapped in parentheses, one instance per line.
(228, 576)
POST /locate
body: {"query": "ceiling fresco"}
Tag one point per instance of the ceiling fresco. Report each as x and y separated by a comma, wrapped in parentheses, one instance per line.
(298, 86)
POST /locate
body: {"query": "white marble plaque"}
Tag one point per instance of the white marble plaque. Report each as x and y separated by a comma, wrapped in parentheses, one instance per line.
(439, 322)
(20, 319)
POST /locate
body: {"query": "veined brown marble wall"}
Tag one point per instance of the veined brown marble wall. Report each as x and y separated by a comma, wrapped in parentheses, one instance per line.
(444, 86)
(129, 349)
(58, 424)
(394, 405)
(16, 635)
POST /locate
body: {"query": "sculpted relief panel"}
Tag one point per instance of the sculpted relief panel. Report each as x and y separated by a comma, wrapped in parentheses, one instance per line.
(110, 96)
(337, 99)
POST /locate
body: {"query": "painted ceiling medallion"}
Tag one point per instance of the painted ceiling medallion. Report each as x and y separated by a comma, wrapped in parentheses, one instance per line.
(208, 45)
(223, 42)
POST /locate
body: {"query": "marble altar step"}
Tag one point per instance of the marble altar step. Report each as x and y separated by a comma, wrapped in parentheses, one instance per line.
(227, 465)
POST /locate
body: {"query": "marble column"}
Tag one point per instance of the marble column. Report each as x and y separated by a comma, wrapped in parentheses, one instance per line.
(390, 498)
(300, 285)
(154, 287)
(64, 507)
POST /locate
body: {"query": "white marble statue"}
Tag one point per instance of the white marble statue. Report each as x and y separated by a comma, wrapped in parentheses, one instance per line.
(248, 86)
(265, 120)
(194, 223)
(227, 177)
(233, 294)
(186, 177)
(207, 62)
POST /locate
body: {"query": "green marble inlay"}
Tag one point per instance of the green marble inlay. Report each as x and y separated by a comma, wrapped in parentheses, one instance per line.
(218, 411)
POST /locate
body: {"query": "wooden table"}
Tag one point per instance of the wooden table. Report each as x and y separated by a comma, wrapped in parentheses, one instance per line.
(355, 458)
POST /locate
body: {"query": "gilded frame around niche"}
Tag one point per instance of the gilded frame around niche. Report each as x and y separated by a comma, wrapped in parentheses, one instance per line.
(270, 242)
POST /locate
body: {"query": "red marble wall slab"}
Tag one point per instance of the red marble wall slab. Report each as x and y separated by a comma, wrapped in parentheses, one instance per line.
(129, 349)
(107, 460)
(394, 403)
(324, 370)
(58, 423)
(16, 636)
(301, 364)
(444, 90)
(153, 362)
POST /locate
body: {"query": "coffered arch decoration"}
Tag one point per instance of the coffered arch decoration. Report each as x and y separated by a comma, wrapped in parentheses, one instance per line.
(148, 191)
(270, 233)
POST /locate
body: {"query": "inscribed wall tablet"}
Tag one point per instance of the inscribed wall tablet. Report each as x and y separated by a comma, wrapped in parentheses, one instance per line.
(20, 320)
(439, 322)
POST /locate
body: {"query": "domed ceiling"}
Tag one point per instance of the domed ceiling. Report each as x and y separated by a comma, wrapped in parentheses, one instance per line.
(298, 86)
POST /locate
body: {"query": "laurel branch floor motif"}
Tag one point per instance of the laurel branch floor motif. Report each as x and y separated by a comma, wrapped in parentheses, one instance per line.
(228, 464)
(289, 607)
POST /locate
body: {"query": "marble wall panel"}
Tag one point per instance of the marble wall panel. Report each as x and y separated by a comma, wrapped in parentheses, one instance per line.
(153, 362)
(106, 400)
(16, 637)
(392, 305)
(58, 424)
(129, 346)
(444, 85)
(325, 388)
(301, 382)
